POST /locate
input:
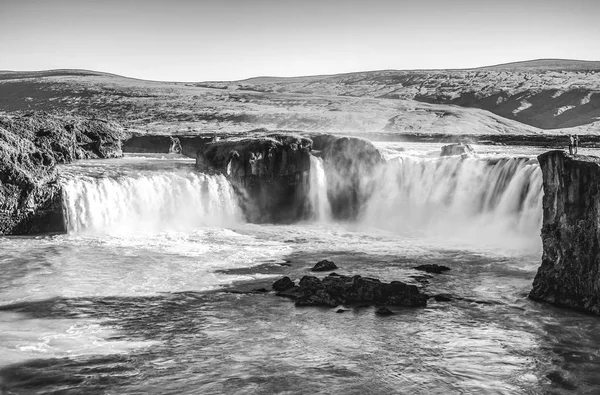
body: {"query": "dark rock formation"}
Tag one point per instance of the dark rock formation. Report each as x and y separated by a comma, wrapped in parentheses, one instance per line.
(442, 298)
(432, 268)
(457, 149)
(383, 311)
(283, 284)
(351, 165)
(270, 171)
(30, 147)
(343, 290)
(159, 144)
(570, 272)
(324, 266)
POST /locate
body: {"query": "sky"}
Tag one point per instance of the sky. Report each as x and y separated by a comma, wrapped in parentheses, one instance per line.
(185, 40)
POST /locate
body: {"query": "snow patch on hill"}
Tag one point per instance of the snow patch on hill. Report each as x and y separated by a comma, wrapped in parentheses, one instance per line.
(524, 106)
(562, 109)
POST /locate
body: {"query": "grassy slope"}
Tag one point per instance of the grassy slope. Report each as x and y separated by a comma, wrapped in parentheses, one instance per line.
(350, 103)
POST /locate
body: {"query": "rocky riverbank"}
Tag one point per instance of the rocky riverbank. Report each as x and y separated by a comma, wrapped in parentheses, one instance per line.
(31, 145)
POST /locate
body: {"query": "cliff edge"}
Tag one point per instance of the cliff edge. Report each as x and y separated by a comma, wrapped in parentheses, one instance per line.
(570, 272)
(31, 145)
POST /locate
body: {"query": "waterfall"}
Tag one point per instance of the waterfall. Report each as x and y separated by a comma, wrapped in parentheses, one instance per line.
(317, 191)
(480, 201)
(148, 201)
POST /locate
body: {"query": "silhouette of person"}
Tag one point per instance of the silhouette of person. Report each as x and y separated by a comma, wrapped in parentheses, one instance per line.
(571, 143)
(576, 143)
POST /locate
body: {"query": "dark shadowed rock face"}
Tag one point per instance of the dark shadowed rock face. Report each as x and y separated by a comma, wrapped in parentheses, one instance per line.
(335, 290)
(270, 171)
(351, 165)
(570, 272)
(30, 147)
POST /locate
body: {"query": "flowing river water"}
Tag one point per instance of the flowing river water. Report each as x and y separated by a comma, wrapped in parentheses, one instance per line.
(137, 297)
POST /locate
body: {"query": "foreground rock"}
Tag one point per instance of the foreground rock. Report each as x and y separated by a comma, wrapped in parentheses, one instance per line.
(324, 266)
(570, 272)
(271, 171)
(338, 290)
(432, 268)
(30, 147)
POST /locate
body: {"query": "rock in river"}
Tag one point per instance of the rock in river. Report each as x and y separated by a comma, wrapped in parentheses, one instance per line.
(332, 291)
(324, 266)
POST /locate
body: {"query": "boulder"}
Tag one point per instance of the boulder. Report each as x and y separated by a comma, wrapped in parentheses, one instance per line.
(338, 290)
(432, 268)
(457, 149)
(324, 266)
(269, 171)
(283, 284)
(569, 275)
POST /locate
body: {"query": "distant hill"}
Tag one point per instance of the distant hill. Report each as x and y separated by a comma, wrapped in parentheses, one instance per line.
(524, 96)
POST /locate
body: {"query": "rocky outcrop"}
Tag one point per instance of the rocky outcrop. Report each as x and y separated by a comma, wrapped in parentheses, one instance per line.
(158, 144)
(457, 149)
(335, 290)
(351, 165)
(30, 147)
(570, 272)
(324, 266)
(270, 172)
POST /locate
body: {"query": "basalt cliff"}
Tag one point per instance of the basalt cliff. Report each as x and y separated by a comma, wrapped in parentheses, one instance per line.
(570, 272)
(31, 145)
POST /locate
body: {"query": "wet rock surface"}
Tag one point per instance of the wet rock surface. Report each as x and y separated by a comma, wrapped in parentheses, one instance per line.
(332, 291)
(570, 272)
(324, 266)
(270, 171)
(432, 268)
(31, 145)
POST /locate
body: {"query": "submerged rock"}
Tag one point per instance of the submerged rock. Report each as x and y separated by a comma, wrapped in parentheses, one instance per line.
(30, 147)
(332, 291)
(570, 272)
(457, 149)
(324, 266)
(432, 268)
(383, 311)
(270, 171)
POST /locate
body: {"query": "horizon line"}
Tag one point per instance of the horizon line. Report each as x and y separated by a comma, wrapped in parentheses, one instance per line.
(514, 63)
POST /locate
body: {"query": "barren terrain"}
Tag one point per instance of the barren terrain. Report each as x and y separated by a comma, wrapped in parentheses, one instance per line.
(526, 98)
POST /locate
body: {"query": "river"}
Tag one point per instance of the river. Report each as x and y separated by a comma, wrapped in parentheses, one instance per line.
(147, 292)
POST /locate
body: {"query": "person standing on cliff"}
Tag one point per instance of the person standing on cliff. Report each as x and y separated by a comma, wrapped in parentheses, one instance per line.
(576, 143)
(571, 143)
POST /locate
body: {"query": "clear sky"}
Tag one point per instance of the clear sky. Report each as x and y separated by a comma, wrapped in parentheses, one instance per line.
(185, 40)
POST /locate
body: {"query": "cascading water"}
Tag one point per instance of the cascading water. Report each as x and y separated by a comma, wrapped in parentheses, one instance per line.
(487, 202)
(319, 203)
(148, 201)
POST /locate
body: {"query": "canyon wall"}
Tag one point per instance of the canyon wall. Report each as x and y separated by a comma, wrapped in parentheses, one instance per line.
(570, 272)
